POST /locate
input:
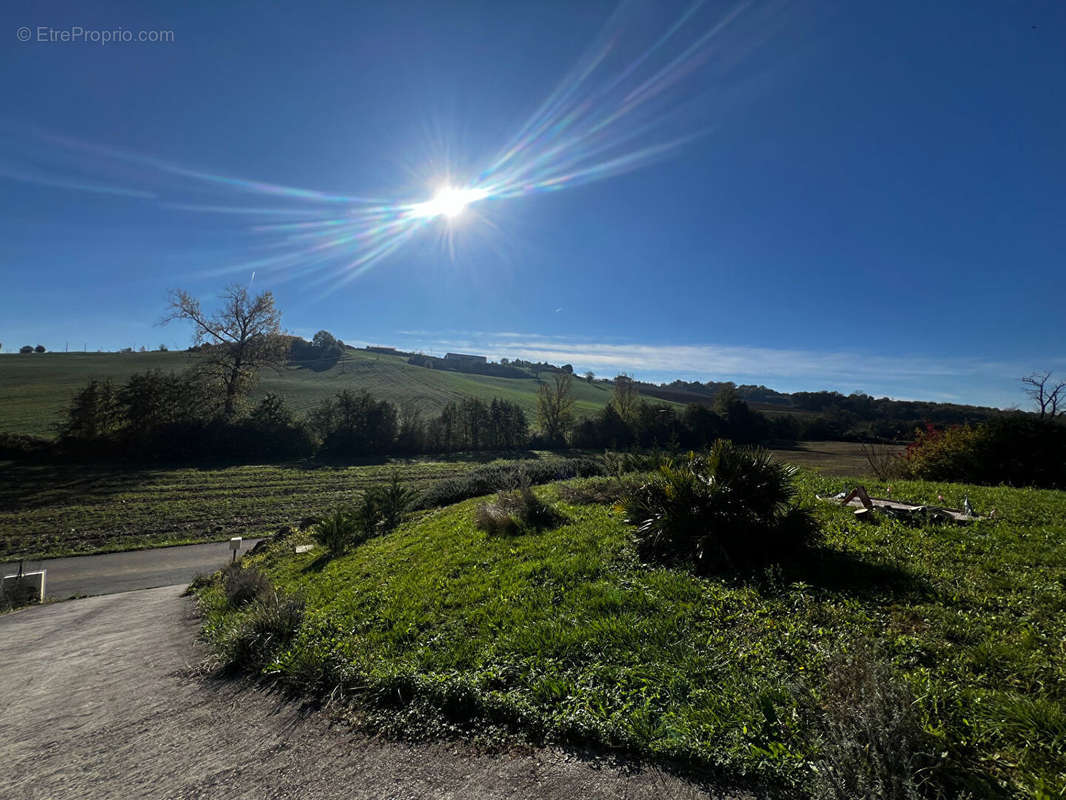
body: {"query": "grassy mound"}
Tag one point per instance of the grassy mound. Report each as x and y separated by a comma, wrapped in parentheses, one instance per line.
(940, 648)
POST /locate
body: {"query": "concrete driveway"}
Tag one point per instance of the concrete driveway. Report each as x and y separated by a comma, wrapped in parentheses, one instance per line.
(133, 569)
(100, 701)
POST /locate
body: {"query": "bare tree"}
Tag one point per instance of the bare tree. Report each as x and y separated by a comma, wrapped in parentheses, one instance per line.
(885, 461)
(242, 336)
(1048, 396)
(555, 407)
(625, 398)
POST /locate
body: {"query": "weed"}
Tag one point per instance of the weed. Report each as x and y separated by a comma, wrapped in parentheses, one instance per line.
(871, 745)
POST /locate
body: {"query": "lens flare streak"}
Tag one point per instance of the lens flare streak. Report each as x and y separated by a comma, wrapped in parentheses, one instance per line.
(615, 112)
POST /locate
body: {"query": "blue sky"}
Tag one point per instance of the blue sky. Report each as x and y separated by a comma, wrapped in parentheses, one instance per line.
(855, 196)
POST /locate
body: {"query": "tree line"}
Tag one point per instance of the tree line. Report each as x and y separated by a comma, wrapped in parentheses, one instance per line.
(189, 416)
(206, 413)
(183, 416)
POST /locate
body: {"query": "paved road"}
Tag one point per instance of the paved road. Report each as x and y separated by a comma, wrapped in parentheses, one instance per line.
(134, 569)
(100, 702)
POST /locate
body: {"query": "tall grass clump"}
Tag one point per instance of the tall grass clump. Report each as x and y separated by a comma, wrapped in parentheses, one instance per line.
(272, 623)
(733, 506)
(242, 585)
(516, 510)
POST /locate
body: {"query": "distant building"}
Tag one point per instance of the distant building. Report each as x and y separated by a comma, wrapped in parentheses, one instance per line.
(465, 358)
(389, 351)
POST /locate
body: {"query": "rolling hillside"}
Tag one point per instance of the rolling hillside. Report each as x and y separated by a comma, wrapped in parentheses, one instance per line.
(34, 389)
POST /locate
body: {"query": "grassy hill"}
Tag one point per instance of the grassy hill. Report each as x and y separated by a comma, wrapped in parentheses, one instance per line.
(924, 653)
(35, 389)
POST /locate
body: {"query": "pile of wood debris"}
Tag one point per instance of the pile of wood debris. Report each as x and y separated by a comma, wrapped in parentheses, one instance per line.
(866, 508)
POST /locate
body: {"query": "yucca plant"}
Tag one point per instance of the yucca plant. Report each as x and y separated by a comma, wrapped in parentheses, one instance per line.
(733, 506)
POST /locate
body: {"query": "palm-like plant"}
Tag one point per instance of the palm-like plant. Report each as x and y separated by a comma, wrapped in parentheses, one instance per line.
(337, 531)
(393, 501)
(734, 505)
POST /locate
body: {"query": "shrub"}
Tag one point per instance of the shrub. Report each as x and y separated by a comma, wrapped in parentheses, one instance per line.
(273, 622)
(337, 530)
(393, 501)
(940, 455)
(243, 585)
(1016, 449)
(871, 743)
(732, 506)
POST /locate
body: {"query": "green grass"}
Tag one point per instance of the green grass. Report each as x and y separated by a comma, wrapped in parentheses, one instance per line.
(563, 635)
(36, 389)
(49, 510)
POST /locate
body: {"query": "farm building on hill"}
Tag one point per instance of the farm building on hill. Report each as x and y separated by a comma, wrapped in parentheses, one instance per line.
(389, 351)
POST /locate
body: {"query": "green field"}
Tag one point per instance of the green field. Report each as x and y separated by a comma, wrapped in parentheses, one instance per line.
(51, 510)
(35, 389)
(564, 635)
(55, 510)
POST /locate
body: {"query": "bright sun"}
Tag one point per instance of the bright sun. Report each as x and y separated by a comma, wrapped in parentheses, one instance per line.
(449, 201)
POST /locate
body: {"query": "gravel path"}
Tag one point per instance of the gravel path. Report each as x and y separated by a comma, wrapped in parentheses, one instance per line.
(99, 702)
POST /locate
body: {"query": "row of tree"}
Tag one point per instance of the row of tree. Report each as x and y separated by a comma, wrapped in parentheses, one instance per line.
(157, 415)
(628, 420)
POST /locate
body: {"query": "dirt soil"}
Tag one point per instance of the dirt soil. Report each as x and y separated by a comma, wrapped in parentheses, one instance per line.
(100, 700)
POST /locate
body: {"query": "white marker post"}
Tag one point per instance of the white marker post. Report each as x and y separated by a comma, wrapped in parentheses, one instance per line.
(235, 546)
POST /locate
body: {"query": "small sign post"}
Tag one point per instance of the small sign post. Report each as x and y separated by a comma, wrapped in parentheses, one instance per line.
(235, 546)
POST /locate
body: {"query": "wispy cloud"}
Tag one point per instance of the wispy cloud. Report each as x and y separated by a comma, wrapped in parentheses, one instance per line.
(968, 380)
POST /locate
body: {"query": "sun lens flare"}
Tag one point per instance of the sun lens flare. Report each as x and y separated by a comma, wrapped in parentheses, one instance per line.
(450, 202)
(646, 86)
